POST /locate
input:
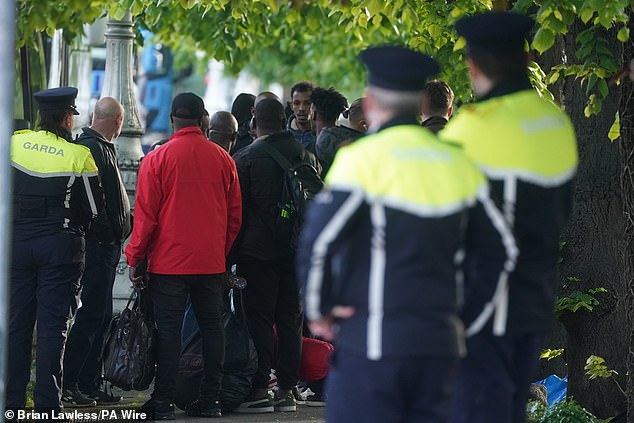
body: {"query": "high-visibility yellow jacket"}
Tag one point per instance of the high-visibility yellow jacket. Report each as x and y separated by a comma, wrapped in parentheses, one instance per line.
(55, 185)
(526, 147)
(387, 236)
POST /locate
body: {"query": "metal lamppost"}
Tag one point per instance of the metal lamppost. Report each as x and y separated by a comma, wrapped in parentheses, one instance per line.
(7, 86)
(118, 84)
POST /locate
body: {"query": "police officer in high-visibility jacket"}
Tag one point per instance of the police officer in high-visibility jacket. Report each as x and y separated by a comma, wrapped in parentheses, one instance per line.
(526, 147)
(56, 193)
(381, 249)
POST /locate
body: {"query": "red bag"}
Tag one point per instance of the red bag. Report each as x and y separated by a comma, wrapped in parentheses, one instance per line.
(315, 359)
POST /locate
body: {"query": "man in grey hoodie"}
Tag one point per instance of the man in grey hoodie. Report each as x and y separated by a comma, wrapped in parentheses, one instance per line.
(327, 105)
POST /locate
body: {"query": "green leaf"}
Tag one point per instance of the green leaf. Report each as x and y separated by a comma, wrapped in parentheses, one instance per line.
(554, 77)
(273, 5)
(188, 4)
(362, 21)
(593, 106)
(117, 12)
(374, 7)
(623, 34)
(235, 13)
(434, 31)
(585, 36)
(460, 44)
(603, 87)
(586, 15)
(544, 39)
(596, 368)
(456, 12)
(549, 354)
(615, 130)
(605, 17)
(592, 80)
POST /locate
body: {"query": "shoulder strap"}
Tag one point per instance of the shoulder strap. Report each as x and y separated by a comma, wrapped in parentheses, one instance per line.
(134, 296)
(277, 156)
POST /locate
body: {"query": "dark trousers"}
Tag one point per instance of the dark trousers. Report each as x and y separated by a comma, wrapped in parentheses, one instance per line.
(82, 359)
(45, 275)
(272, 298)
(399, 390)
(493, 380)
(169, 294)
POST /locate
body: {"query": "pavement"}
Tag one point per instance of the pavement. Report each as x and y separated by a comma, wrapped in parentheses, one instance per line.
(132, 400)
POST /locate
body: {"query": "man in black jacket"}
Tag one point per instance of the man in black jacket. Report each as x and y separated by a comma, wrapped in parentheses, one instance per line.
(271, 296)
(82, 361)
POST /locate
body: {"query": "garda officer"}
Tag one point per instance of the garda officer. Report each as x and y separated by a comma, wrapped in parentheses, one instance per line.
(526, 147)
(56, 193)
(391, 224)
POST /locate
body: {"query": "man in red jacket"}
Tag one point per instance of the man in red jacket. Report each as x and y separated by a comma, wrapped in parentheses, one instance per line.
(188, 211)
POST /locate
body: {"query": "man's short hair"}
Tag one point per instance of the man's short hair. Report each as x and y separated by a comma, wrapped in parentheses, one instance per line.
(355, 112)
(241, 107)
(329, 103)
(398, 102)
(440, 97)
(269, 115)
(223, 123)
(303, 86)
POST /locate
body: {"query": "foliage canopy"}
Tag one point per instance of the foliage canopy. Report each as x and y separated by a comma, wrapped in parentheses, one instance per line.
(287, 41)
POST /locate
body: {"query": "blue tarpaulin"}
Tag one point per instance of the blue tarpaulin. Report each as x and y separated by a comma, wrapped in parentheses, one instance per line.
(556, 388)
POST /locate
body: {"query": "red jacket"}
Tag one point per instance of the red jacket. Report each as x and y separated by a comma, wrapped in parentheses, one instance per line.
(188, 207)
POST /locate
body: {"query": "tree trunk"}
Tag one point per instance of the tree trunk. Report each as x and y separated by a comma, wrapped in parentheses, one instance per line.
(626, 112)
(557, 339)
(594, 255)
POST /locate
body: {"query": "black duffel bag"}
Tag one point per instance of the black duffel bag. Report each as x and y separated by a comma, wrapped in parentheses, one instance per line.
(129, 348)
(241, 359)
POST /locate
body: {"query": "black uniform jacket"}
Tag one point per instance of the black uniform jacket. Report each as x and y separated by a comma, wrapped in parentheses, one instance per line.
(113, 223)
(261, 180)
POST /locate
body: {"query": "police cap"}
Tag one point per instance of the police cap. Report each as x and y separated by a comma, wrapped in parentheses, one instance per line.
(397, 68)
(57, 98)
(495, 32)
(188, 106)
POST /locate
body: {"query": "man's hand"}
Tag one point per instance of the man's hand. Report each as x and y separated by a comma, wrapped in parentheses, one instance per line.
(325, 326)
(137, 276)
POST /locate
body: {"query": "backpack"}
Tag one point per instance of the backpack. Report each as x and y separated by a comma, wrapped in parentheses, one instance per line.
(128, 351)
(301, 184)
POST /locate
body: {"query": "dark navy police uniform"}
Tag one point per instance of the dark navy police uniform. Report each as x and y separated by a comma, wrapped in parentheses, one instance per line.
(56, 193)
(386, 236)
(526, 147)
